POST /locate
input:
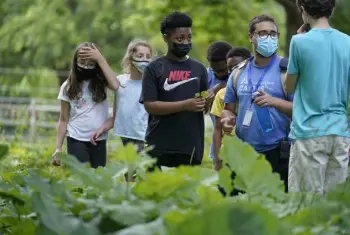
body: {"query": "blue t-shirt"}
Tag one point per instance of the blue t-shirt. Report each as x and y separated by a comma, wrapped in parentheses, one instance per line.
(321, 59)
(212, 81)
(271, 84)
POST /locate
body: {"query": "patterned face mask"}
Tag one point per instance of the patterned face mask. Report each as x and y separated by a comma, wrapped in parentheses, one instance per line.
(140, 65)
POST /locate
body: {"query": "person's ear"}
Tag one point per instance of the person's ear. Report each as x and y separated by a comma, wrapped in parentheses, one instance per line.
(250, 36)
(165, 38)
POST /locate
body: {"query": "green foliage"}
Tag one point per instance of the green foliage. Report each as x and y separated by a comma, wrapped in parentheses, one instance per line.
(4, 149)
(37, 198)
(44, 34)
(218, 20)
(340, 18)
(41, 36)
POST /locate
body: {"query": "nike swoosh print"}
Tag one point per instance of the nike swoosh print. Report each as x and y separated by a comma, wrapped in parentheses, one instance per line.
(169, 87)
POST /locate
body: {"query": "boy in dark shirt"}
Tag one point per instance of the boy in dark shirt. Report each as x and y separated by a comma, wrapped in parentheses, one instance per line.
(169, 87)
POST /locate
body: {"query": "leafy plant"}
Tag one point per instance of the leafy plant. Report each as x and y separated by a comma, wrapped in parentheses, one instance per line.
(37, 198)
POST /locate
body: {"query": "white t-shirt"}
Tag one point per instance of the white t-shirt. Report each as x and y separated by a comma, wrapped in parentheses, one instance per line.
(131, 117)
(85, 116)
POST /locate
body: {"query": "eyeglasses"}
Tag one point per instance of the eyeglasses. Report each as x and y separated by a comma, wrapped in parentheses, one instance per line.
(264, 34)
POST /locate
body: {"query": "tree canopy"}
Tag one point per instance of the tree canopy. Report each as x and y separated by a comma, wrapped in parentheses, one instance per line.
(39, 34)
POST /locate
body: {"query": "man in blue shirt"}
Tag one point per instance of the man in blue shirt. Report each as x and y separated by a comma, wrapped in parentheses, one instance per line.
(318, 71)
(217, 73)
(258, 86)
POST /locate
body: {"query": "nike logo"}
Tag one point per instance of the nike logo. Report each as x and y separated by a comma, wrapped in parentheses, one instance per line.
(169, 87)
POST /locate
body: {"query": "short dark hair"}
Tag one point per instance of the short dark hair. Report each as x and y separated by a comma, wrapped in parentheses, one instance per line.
(175, 20)
(240, 52)
(260, 18)
(317, 8)
(217, 51)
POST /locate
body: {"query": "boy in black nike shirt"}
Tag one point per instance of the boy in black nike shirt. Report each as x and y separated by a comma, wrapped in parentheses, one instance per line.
(169, 87)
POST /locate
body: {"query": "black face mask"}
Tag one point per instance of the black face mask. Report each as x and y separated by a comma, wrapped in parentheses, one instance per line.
(86, 74)
(181, 50)
(223, 78)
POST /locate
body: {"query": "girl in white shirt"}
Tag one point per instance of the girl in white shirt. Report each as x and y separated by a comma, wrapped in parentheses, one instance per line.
(84, 106)
(129, 115)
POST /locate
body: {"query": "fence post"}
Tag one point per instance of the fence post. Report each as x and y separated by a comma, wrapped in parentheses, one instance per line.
(32, 121)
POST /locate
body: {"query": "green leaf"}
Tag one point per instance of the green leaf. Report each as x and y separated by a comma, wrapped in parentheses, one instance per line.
(155, 227)
(10, 193)
(55, 220)
(254, 173)
(230, 219)
(4, 150)
(85, 173)
(128, 214)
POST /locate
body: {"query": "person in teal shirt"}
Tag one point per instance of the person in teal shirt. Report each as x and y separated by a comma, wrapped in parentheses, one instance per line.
(318, 72)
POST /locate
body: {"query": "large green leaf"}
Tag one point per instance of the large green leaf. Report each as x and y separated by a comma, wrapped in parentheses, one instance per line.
(230, 219)
(254, 173)
(55, 220)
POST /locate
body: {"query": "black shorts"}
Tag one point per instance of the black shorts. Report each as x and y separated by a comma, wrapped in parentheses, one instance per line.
(139, 143)
(85, 151)
(174, 159)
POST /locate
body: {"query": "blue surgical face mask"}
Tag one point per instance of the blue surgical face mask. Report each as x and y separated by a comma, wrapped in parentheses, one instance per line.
(267, 47)
(140, 65)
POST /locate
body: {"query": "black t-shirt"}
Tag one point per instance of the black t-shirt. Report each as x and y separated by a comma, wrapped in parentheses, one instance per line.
(170, 81)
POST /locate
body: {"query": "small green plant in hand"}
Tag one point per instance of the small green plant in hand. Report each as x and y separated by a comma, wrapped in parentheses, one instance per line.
(202, 94)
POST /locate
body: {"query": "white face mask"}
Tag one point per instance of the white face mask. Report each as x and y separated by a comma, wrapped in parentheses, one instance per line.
(140, 65)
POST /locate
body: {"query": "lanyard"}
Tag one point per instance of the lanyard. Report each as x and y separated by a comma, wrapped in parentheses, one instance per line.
(266, 69)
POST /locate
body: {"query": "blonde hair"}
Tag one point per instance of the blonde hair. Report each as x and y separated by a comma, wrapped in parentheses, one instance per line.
(132, 48)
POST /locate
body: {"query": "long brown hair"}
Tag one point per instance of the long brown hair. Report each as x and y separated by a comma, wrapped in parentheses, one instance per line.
(97, 85)
(132, 48)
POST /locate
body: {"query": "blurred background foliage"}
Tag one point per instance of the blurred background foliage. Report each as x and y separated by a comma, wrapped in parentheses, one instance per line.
(38, 37)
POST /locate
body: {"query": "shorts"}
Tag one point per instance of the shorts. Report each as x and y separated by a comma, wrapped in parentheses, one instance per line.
(85, 151)
(318, 164)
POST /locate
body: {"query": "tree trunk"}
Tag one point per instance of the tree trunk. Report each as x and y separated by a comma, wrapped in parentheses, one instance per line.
(293, 20)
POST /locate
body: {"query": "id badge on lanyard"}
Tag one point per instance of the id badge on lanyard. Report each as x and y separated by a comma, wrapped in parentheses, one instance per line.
(247, 117)
(249, 113)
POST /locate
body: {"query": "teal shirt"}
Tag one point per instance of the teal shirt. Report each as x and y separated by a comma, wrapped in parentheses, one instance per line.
(321, 59)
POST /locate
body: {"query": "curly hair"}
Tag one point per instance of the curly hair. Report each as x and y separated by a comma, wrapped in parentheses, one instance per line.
(97, 85)
(130, 51)
(217, 51)
(317, 8)
(240, 52)
(175, 20)
(258, 19)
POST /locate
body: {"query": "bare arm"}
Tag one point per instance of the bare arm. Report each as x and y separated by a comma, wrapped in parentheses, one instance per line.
(228, 117)
(113, 83)
(109, 123)
(266, 100)
(94, 54)
(217, 137)
(62, 125)
(284, 106)
(290, 83)
(229, 110)
(218, 87)
(164, 108)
